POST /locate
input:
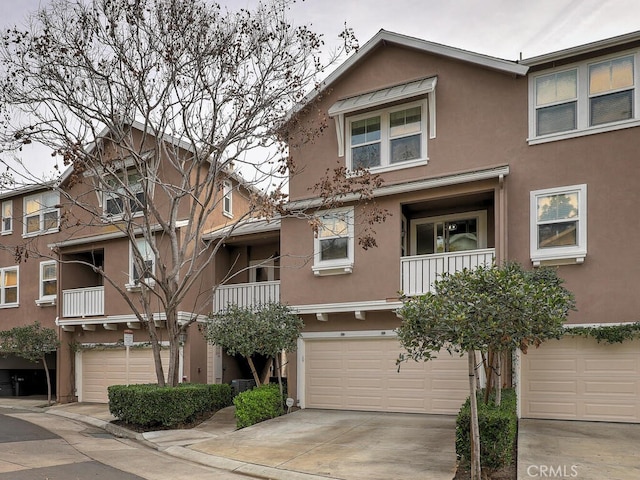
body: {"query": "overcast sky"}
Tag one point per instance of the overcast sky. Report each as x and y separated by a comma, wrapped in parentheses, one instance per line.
(500, 28)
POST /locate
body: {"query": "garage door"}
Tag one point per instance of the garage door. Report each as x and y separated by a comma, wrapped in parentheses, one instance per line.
(361, 374)
(578, 378)
(101, 368)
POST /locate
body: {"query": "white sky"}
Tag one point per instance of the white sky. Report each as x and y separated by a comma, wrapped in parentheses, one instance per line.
(500, 28)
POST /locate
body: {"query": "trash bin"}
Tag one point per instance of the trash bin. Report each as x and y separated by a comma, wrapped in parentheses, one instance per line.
(242, 384)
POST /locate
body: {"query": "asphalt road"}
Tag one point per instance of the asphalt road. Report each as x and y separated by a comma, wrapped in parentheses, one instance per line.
(37, 446)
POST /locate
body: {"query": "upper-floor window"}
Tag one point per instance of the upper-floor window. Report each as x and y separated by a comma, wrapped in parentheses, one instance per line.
(334, 242)
(41, 213)
(449, 233)
(387, 137)
(8, 286)
(584, 98)
(141, 262)
(227, 199)
(387, 129)
(125, 189)
(559, 224)
(48, 282)
(7, 217)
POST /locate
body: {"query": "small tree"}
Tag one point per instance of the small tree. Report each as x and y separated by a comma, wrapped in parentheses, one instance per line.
(268, 330)
(31, 342)
(493, 308)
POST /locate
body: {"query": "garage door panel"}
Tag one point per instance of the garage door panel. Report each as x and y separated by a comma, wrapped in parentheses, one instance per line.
(604, 386)
(369, 379)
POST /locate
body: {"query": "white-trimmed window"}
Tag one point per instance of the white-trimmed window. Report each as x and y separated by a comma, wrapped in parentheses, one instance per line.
(41, 213)
(227, 199)
(7, 217)
(9, 287)
(334, 242)
(386, 138)
(559, 225)
(125, 188)
(449, 233)
(584, 98)
(141, 263)
(48, 282)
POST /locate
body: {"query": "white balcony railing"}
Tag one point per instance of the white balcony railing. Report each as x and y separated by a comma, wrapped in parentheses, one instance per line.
(83, 302)
(418, 272)
(246, 294)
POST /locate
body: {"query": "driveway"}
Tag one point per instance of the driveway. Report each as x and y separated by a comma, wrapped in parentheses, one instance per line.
(580, 450)
(346, 445)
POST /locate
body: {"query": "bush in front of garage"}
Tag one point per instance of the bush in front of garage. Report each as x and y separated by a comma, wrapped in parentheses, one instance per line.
(498, 431)
(150, 405)
(257, 405)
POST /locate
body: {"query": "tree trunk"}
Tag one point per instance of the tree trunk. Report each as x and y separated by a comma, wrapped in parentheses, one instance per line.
(488, 368)
(46, 372)
(173, 329)
(277, 364)
(475, 429)
(155, 347)
(499, 378)
(253, 371)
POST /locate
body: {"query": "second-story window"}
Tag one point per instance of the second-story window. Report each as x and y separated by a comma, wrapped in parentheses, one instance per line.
(124, 189)
(387, 137)
(8, 287)
(48, 280)
(334, 242)
(7, 217)
(227, 199)
(142, 261)
(41, 213)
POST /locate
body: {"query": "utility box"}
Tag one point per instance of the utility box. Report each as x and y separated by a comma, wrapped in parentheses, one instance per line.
(242, 384)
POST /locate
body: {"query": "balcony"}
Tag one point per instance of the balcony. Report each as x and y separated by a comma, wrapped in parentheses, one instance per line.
(246, 294)
(418, 272)
(83, 302)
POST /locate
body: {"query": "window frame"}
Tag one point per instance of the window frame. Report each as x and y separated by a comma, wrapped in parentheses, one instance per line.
(9, 230)
(47, 299)
(3, 287)
(41, 213)
(559, 254)
(385, 135)
(227, 197)
(334, 266)
(135, 284)
(118, 193)
(583, 99)
(481, 223)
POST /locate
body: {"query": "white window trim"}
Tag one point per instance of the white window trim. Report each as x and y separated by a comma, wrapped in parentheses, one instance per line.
(582, 120)
(2, 287)
(338, 266)
(45, 300)
(41, 213)
(227, 194)
(559, 255)
(106, 194)
(479, 215)
(136, 285)
(10, 229)
(385, 140)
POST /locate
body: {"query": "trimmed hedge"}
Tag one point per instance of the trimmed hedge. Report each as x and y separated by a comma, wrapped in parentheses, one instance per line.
(498, 431)
(257, 405)
(150, 405)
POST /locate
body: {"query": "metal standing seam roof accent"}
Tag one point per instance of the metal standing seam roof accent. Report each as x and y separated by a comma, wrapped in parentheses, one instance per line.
(384, 96)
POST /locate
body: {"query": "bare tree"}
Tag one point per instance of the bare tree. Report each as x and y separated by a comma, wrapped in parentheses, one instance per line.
(153, 105)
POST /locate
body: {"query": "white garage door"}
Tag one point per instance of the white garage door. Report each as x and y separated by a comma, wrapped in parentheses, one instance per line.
(577, 378)
(361, 374)
(101, 368)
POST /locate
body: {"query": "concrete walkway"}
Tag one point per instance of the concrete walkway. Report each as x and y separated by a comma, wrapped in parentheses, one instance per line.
(304, 445)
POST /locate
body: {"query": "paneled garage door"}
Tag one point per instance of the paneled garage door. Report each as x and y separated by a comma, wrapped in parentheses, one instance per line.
(577, 378)
(101, 368)
(361, 374)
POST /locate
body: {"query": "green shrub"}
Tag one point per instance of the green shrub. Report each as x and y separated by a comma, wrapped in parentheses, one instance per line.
(257, 405)
(498, 431)
(150, 405)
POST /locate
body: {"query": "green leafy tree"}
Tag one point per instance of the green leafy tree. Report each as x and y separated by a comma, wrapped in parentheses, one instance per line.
(496, 308)
(31, 342)
(267, 330)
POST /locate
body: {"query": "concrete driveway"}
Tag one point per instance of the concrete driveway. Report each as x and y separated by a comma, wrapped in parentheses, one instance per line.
(346, 445)
(580, 450)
